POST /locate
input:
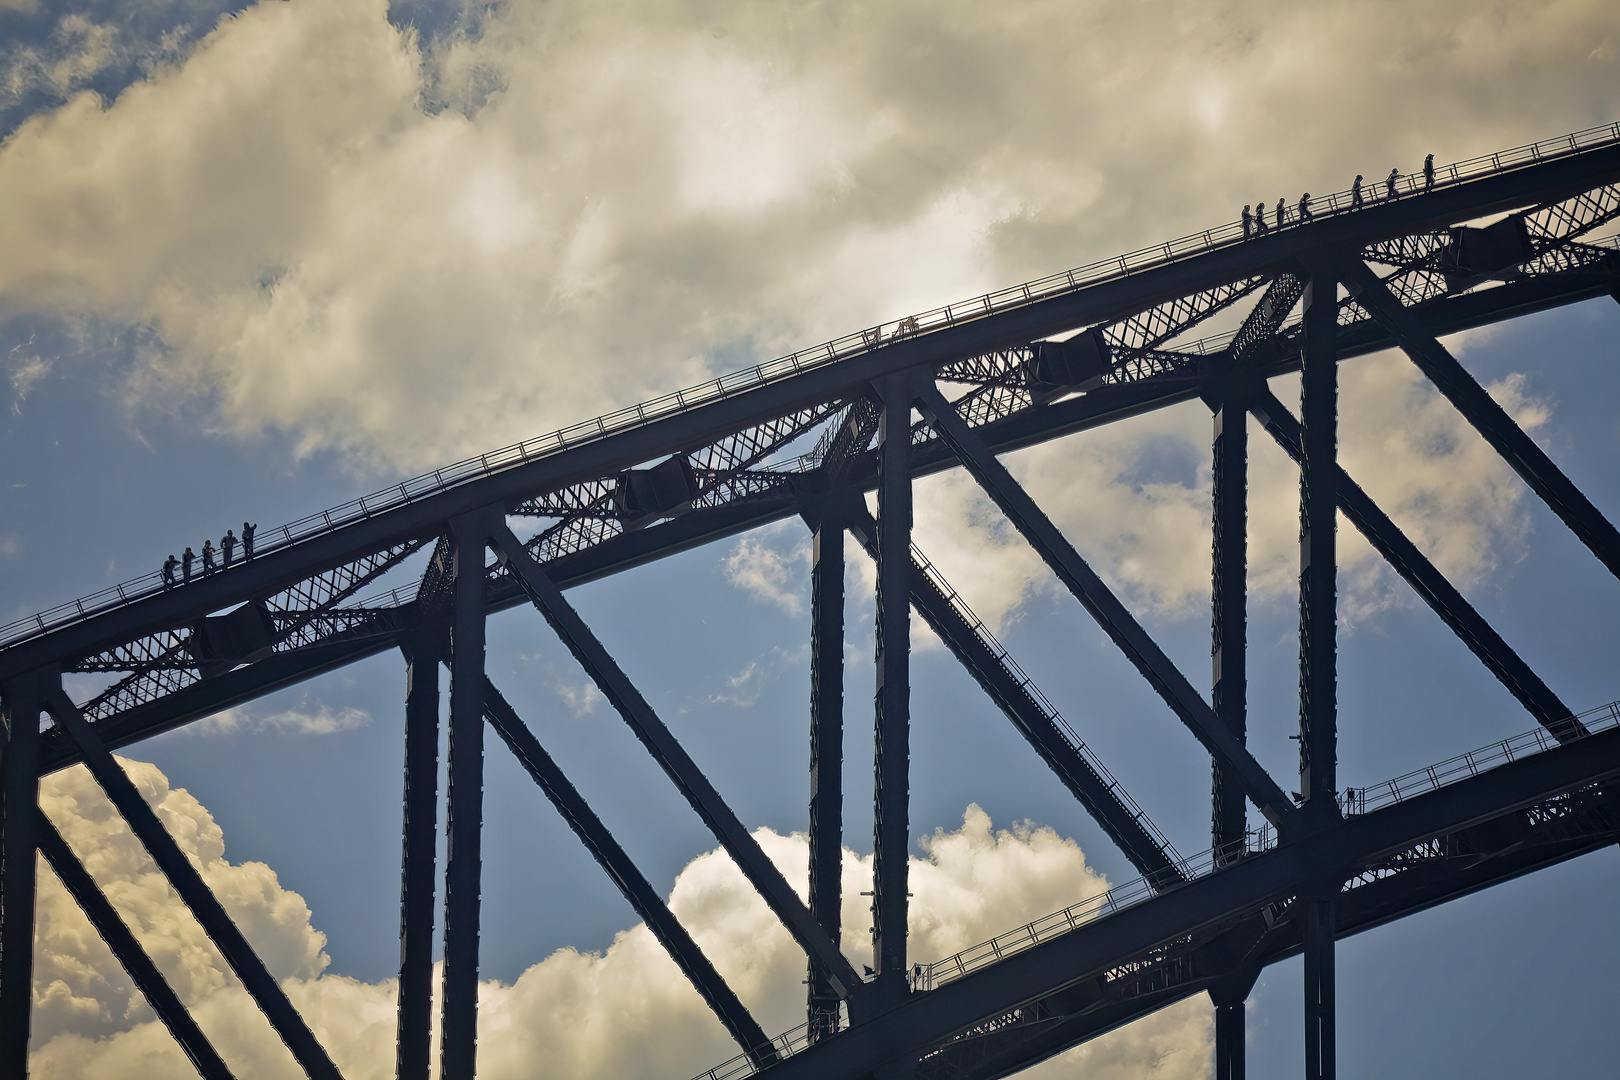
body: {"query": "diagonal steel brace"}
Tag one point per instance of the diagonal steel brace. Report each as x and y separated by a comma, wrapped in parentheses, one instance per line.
(1106, 608)
(680, 767)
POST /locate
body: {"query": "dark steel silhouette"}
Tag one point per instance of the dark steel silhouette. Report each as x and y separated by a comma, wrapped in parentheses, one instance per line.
(1003, 371)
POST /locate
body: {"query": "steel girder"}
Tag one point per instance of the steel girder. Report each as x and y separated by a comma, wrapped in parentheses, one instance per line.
(374, 630)
(145, 974)
(635, 887)
(927, 1022)
(712, 474)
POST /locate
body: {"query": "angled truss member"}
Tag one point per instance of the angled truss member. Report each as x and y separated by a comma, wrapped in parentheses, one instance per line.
(148, 980)
(701, 465)
(636, 889)
(668, 752)
(186, 881)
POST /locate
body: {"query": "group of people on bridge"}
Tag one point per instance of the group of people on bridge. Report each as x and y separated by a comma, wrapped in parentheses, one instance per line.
(1254, 217)
(227, 552)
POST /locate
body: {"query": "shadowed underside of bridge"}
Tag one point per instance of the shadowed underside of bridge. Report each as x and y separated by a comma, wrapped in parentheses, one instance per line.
(1476, 243)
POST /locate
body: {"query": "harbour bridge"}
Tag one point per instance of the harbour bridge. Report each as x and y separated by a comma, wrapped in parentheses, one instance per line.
(1399, 266)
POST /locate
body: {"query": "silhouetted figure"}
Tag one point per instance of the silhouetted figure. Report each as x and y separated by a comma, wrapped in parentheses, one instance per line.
(1389, 183)
(1355, 194)
(208, 557)
(226, 547)
(1248, 222)
(247, 541)
(1305, 207)
(168, 571)
(1260, 218)
(1282, 212)
(1428, 173)
(185, 565)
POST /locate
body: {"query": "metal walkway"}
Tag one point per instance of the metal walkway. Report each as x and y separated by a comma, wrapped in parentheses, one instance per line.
(1492, 239)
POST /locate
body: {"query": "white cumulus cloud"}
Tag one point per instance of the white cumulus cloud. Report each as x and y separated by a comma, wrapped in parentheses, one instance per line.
(621, 1013)
(326, 230)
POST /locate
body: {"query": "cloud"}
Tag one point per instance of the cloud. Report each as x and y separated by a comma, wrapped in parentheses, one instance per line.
(772, 565)
(323, 720)
(28, 369)
(1134, 498)
(743, 688)
(411, 252)
(408, 252)
(77, 50)
(623, 1013)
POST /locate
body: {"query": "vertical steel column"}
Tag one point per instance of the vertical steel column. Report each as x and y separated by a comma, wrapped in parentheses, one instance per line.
(892, 741)
(1318, 667)
(24, 701)
(1320, 1051)
(1231, 1060)
(458, 1048)
(1229, 621)
(1318, 663)
(826, 756)
(1229, 669)
(423, 652)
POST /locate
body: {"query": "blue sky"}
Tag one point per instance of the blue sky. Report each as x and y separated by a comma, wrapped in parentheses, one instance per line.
(256, 267)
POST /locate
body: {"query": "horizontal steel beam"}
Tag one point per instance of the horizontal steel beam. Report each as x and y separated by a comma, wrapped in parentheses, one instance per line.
(1362, 908)
(1027, 428)
(1336, 851)
(1107, 300)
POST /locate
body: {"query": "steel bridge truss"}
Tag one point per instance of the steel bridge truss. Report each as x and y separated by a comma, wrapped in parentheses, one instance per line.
(812, 438)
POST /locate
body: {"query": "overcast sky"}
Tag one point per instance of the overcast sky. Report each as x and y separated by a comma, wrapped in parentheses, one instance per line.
(255, 260)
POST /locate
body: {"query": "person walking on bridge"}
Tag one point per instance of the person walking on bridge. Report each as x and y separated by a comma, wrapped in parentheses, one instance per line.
(1260, 218)
(247, 541)
(1248, 222)
(185, 565)
(1356, 201)
(168, 572)
(1428, 173)
(226, 547)
(1305, 208)
(1282, 212)
(1389, 184)
(208, 557)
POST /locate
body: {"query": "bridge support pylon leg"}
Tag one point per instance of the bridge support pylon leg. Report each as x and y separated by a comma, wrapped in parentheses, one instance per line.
(1318, 657)
(458, 1047)
(892, 744)
(1229, 670)
(24, 701)
(1230, 1057)
(1320, 1049)
(826, 757)
(423, 653)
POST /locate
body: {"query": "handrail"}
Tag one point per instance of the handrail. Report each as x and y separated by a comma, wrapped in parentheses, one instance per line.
(925, 977)
(818, 356)
(977, 626)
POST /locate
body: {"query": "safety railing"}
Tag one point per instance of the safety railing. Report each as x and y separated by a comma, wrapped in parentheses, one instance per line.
(1099, 906)
(1109, 901)
(979, 628)
(785, 367)
(1434, 777)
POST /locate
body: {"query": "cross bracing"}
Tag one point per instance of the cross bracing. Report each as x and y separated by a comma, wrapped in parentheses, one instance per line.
(810, 436)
